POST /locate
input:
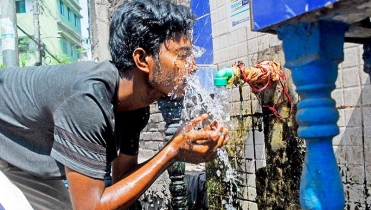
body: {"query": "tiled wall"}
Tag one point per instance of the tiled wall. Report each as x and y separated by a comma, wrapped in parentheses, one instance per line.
(353, 100)
(352, 145)
(352, 95)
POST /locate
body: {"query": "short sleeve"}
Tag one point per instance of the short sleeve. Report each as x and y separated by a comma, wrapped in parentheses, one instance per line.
(83, 134)
(128, 128)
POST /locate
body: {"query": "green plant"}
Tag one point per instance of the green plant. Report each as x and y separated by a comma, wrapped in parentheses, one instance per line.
(62, 59)
(23, 59)
(23, 44)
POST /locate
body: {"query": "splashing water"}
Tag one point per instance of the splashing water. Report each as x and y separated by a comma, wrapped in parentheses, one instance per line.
(198, 101)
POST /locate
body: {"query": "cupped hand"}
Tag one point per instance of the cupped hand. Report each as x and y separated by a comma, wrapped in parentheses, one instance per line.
(199, 145)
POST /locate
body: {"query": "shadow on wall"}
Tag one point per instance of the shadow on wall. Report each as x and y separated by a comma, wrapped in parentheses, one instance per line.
(353, 145)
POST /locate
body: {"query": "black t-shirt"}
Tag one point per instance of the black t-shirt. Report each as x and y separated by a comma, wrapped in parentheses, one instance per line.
(52, 116)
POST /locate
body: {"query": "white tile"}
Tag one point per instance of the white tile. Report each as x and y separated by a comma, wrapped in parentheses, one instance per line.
(252, 45)
(213, 17)
(223, 41)
(350, 57)
(351, 77)
(366, 95)
(213, 4)
(242, 34)
(242, 49)
(232, 39)
(221, 13)
(352, 96)
(216, 44)
(220, 3)
(353, 117)
(233, 53)
(263, 42)
(273, 40)
(222, 27)
(338, 96)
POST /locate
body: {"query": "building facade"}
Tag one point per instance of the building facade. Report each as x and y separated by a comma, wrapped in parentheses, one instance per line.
(60, 31)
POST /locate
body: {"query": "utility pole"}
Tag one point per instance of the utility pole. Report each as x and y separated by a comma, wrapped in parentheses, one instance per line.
(9, 37)
(37, 32)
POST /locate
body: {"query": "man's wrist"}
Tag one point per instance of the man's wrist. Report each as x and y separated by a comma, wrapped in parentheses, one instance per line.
(171, 153)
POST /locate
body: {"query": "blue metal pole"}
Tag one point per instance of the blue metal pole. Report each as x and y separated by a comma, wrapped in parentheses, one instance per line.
(313, 52)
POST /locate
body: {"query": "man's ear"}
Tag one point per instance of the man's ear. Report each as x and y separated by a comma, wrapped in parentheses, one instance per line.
(141, 59)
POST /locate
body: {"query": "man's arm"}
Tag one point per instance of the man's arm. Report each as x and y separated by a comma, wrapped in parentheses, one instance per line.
(90, 193)
(121, 165)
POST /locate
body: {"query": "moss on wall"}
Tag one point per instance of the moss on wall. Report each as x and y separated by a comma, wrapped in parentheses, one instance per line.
(218, 189)
(278, 183)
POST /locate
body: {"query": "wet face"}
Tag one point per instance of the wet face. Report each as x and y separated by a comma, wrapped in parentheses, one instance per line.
(174, 63)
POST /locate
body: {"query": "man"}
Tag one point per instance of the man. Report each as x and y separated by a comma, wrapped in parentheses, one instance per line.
(72, 121)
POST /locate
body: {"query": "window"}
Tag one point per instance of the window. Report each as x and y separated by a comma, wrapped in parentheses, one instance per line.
(64, 46)
(61, 7)
(68, 14)
(72, 51)
(77, 20)
(20, 6)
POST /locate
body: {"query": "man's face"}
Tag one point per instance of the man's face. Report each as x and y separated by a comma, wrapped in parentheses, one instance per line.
(175, 62)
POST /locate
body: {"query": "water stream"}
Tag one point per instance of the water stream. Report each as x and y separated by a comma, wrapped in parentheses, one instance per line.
(197, 101)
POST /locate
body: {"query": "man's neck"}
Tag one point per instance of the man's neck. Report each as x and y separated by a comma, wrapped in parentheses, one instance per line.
(134, 94)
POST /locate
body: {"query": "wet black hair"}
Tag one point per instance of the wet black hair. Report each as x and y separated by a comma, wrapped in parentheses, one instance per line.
(145, 24)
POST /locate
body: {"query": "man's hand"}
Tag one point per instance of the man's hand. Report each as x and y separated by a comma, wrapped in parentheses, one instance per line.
(198, 145)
